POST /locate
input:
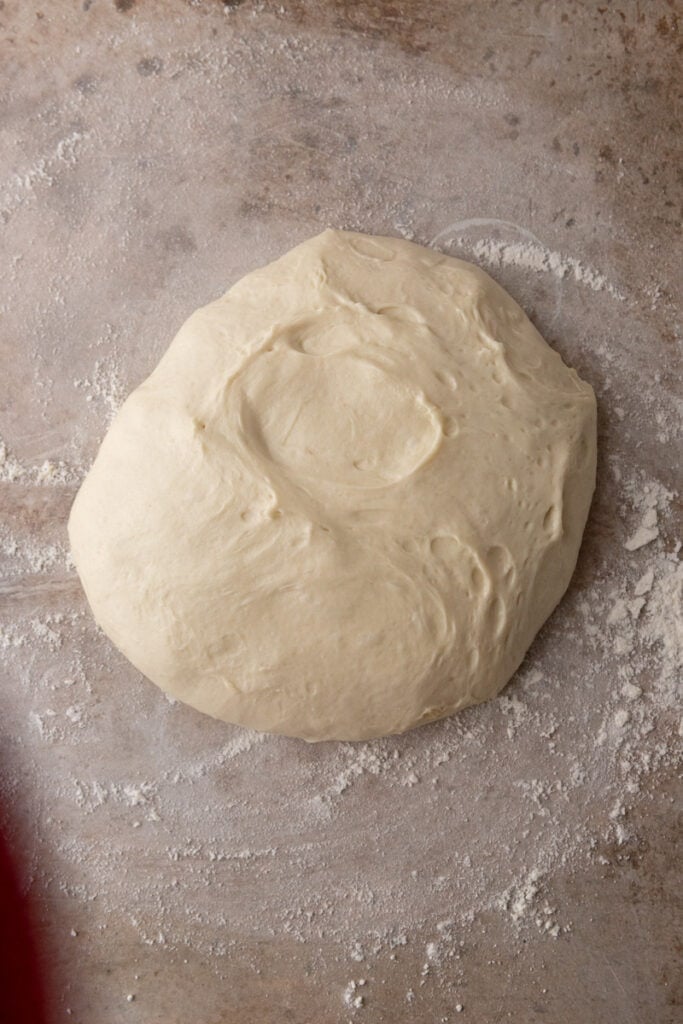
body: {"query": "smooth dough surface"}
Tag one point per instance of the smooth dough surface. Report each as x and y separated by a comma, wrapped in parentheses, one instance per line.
(345, 500)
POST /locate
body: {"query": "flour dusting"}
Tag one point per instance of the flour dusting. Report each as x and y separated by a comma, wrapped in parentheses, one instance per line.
(431, 855)
(531, 256)
(221, 805)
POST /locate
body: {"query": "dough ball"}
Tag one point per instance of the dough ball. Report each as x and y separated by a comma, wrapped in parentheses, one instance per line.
(345, 500)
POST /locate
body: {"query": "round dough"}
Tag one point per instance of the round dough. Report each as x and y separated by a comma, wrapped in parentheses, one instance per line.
(346, 499)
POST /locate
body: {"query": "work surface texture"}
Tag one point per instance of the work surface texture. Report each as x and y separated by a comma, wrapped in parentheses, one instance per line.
(515, 862)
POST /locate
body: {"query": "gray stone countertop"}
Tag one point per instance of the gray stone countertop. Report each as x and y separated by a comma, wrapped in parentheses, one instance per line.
(516, 862)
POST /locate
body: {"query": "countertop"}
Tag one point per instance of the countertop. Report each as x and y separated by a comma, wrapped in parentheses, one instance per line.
(516, 862)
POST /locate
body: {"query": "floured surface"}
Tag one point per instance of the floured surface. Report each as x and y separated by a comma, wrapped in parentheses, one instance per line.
(484, 862)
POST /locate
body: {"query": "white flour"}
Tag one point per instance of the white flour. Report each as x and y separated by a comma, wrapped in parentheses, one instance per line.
(104, 385)
(528, 254)
(46, 472)
(531, 256)
(22, 185)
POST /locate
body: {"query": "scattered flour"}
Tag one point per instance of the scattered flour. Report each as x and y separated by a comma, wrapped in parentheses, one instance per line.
(46, 472)
(533, 256)
(341, 844)
(352, 997)
(105, 385)
(30, 555)
(529, 253)
(21, 187)
(592, 738)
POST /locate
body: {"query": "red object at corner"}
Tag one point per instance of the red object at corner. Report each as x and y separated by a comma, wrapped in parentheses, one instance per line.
(21, 988)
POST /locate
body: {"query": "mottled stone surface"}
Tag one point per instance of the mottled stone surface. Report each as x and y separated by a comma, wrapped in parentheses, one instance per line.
(152, 151)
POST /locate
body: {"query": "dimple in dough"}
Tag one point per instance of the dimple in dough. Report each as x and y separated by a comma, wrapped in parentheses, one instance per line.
(345, 500)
